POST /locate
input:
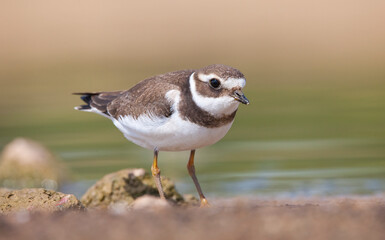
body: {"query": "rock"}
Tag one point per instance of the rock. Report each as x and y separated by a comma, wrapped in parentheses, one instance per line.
(37, 199)
(151, 203)
(190, 200)
(25, 163)
(146, 202)
(124, 186)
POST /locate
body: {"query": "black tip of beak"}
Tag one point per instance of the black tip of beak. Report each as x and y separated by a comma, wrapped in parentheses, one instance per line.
(240, 97)
(245, 101)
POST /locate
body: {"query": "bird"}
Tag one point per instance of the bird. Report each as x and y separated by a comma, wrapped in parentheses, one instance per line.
(177, 111)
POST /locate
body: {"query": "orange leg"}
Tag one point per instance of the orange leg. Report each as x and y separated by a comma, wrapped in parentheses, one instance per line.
(156, 174)
(191, 171)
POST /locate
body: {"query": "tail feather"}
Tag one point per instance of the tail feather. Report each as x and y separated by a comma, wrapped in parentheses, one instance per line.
(97, 101)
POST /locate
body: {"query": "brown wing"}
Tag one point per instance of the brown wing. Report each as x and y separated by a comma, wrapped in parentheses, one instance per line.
(149, 96)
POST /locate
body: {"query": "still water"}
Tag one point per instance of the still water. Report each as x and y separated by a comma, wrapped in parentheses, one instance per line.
(325, 167)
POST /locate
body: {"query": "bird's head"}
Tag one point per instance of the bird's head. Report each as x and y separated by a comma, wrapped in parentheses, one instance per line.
(217, 89)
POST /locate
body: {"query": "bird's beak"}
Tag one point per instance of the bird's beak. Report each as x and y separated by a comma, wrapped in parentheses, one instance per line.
(240, 97)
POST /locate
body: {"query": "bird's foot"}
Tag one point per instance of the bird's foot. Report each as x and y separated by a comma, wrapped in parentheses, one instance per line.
(204, 203)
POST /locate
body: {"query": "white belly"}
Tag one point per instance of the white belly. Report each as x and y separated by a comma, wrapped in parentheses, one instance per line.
(169, 134)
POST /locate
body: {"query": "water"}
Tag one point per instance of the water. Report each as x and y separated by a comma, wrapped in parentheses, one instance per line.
(251, 168)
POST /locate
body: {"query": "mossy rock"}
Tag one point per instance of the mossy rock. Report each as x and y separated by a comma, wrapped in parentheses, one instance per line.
(125, 186)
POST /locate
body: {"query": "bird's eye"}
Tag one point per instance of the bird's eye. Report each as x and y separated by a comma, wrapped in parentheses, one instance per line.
(215, 83)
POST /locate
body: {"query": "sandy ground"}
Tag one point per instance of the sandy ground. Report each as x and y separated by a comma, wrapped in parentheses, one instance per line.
(318, 218)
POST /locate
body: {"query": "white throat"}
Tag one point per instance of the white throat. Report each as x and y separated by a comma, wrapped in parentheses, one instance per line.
(217, 106)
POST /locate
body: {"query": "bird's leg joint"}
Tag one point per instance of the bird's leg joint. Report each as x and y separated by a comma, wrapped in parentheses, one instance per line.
(155, 171)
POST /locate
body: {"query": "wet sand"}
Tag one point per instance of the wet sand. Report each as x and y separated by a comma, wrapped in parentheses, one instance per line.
(310, 218)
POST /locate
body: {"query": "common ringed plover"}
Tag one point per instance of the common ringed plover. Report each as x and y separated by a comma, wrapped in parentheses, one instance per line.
(176, 111)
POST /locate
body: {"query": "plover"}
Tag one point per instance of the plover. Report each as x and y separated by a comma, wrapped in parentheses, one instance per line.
(176, 111)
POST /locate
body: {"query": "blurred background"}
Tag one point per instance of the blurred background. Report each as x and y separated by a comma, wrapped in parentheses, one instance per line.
(315, 75)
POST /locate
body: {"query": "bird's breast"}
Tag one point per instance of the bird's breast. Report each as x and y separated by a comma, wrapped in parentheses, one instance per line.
(169, 134)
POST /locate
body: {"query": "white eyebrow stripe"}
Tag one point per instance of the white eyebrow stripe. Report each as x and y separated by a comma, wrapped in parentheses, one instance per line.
(234, 82)
(230, 83)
